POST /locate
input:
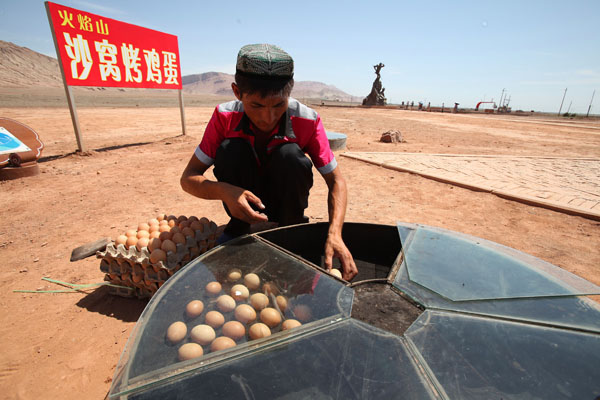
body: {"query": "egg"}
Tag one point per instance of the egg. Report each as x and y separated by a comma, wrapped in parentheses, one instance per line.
(154, 244)
(259, 330)
(270, 316)
(141, 243)
(203, 334)
(184, 224)
(204, 221)
(131, 241)
(244, 313)
(214, 319)
(165, 235)
(192, 218)
(225, 303)
(252, 281)
(194, 308)
(171, 223)
(239, 292)
(175, 230)
(181, 218)
(336, 272)
(178, 238)
(234, 330)
(290, 324)
(222, 343)
(154, 228)
(157, 255)
(270, 288)
(168, 245)
(161, 217)
(154, 234)
(153, 221)
(187, 231)
(282, 303)
(131, 232)
(171, 217)
(213, 288)
(121, 239)
(189, 351)
(197, 226)
(259, 301)
(302, 312)
(143, 233)
(143, 226)
(234, 275)
(176, 332)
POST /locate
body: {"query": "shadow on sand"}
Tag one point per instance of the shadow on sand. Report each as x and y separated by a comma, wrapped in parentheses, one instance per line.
(102, 302)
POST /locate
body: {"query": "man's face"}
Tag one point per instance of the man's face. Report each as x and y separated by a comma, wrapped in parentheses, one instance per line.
(264, 112)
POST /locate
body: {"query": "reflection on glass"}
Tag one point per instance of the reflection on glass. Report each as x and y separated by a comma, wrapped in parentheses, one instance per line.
(351, 360)
(236, 294)
(474, 358)
(463, 268)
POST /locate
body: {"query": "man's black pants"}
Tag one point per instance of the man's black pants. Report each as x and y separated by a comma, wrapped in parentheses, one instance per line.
(282, 181)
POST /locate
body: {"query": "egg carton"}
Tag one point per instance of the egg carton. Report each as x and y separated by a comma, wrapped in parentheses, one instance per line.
(136, 276)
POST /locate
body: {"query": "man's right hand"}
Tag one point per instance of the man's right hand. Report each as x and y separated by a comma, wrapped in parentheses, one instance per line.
(239, 202)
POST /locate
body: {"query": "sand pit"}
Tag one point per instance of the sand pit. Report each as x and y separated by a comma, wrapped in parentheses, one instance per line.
(63, 345)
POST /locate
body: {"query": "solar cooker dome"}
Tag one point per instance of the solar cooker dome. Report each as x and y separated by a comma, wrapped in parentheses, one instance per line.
(433, 314)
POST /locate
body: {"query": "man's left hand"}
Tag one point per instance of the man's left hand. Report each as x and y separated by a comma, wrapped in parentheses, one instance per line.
(335, 247)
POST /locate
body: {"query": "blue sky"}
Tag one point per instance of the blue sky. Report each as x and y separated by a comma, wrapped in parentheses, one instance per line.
(434, 51)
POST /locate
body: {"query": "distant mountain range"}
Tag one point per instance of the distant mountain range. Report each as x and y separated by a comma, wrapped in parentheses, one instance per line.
(22, 67)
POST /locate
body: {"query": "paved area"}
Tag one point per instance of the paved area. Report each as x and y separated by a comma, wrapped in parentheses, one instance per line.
(570, 185)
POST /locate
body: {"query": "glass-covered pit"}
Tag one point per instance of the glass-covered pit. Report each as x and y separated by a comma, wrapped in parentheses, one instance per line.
(432, 314)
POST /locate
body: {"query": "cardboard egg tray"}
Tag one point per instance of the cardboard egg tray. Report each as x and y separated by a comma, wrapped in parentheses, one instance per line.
(134, 273)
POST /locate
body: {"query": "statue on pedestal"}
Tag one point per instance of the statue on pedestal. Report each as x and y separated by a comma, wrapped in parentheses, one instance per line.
(377, 95)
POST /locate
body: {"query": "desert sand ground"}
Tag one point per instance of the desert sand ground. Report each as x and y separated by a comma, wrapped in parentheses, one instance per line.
(67, 345)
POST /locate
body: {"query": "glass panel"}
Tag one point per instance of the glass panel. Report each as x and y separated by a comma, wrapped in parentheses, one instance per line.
(351, 360)
(461, 267)
(311, 298)
(474, 358)
(567, 311)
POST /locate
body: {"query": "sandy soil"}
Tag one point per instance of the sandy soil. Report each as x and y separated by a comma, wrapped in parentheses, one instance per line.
(67, 345)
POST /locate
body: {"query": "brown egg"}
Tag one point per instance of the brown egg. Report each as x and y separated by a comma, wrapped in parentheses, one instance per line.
(143, 226)
(184, 224)
(336, 272)
(259, 330)
(239, 292)
(213, 288)
(252, 281)
(270, 288)
(234, 330)
(176, 332)
(270, 316)
(165, 235)
(214, 319)
(157, 255)
(154, 234)
(171, 217)
(121, 239)
(168, 245)
(161, 217)
(194, 308)
(154, 228)
(172, 223)
(131, 241)
(225, 303)
(181, 218)
(189, 351)
(202, 334)
(234, 275)
(142, 234)
(259, 301)
(154, 243)
(131, 232)
(302, 312)
(141, 243)
(178, 238)
(197, 226)
(187, 231)
(282, 303)
(222, 343)
(244, 313)
(192, 218)
(290, 324)
(204, 221)
(175, 230)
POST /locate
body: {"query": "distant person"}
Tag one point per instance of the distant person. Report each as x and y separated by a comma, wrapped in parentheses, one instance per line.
(257, 144)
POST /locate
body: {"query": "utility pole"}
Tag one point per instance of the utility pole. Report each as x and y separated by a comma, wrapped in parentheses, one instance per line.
(590, 107)
(569, 109)
(502, 95)
(561, 103)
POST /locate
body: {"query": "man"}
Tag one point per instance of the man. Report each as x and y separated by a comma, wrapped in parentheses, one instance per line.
(257, 146)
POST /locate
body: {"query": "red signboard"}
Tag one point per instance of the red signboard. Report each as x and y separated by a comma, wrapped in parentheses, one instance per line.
(99, 51)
